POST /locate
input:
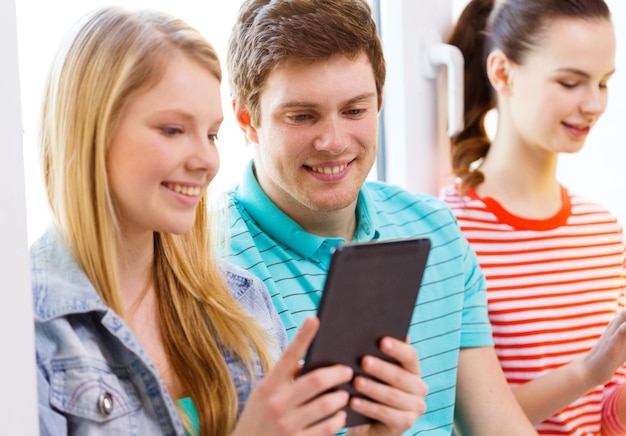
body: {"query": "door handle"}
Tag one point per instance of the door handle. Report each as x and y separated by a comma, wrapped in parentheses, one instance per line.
(436, 54)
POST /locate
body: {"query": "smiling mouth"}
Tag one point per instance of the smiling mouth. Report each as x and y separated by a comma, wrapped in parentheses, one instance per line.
(191, 191)
(578, 128)
(330, 170)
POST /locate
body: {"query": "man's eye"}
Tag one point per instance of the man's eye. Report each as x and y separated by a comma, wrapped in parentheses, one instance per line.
(300, 117)
(355, 112)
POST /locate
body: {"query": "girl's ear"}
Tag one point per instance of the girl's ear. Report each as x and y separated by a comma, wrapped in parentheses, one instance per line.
(499, 71)
(244, 119)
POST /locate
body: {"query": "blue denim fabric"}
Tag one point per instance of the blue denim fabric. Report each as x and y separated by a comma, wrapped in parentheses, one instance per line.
(93, 375)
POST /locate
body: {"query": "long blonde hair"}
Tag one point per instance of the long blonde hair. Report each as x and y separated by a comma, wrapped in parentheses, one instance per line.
(110, 57)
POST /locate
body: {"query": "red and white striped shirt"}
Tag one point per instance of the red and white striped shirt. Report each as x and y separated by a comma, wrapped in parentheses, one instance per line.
(553, 286)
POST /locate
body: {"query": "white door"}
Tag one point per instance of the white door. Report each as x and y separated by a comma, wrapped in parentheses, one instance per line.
(18, 399)
(418, 92)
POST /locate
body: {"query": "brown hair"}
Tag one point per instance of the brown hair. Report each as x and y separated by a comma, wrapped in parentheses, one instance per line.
(515, 27)
(269, 33)
(108, 59)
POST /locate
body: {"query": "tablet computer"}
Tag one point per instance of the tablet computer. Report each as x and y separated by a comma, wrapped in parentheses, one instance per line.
(370, 292)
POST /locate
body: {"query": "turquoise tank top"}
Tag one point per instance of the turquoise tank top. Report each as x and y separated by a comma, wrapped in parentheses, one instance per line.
(189, 409)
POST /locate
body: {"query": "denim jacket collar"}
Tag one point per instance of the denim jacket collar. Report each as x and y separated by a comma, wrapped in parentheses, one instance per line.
(60, 287)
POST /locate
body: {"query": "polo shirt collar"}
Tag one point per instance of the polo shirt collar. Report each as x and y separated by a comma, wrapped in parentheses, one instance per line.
(366, 217)
(283, 229)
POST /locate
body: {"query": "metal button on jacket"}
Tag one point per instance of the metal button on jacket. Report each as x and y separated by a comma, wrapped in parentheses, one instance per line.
(105, 403)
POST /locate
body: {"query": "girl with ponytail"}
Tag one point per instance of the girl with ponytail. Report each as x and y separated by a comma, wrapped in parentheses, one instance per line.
(554, 261)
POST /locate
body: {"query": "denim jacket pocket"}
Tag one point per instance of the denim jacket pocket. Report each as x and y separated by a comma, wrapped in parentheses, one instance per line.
(91, 391)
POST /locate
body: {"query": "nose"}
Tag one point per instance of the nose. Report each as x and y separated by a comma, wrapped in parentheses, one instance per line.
(333, 136)
(595, 101)
(203, 156)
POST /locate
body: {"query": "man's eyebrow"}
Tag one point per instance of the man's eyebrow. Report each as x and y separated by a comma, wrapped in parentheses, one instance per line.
(361, 97)
(296, 104)
(302, 104)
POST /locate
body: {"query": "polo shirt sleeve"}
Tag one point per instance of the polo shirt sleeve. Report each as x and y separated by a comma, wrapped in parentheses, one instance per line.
(476, 329)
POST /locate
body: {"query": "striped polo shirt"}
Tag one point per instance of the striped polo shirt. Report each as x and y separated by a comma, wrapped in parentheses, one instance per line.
(451, 309)
(553, 287)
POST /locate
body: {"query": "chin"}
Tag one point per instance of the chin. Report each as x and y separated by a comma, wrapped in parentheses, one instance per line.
(178, 228)
(574, 148)
(179, 232)
(334, 204)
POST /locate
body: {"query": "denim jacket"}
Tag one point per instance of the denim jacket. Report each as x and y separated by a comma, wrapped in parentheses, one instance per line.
(93, 375)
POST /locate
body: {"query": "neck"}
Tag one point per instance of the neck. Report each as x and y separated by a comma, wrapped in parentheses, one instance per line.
(522, 179)
(136, 258)
(141, 306)
(335, 224)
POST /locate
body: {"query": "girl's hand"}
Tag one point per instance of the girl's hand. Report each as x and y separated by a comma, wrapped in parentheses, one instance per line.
(285, 405)
(608, 354)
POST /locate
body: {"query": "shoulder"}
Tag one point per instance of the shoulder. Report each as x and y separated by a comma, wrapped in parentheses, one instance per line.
(586, 212)
(238, 280)
(252, 295)
(246, 288)
(237, 215)
(583, 204)
(386, 195)
(450, 194)
(231, 200)
(395, 206)
(60, 286)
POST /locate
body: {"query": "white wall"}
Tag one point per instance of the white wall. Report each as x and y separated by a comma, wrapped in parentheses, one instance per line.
(18, 404)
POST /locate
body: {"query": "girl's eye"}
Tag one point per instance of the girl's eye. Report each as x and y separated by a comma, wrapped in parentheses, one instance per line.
(171, 131)
(569, 85)
(213, 137)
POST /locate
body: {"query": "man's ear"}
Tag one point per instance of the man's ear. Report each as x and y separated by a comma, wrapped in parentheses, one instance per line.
(500, 72)
(244, 119)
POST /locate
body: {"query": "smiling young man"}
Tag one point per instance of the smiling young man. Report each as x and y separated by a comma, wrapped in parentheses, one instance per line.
(307, 80)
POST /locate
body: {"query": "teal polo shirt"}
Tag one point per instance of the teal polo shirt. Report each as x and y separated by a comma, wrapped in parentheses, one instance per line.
(451, 309)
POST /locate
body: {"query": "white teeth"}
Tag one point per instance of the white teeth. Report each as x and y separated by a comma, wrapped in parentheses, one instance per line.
(330, 170)
(185, 190)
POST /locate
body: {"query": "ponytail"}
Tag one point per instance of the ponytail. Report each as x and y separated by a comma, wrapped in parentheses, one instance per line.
(472, 143)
